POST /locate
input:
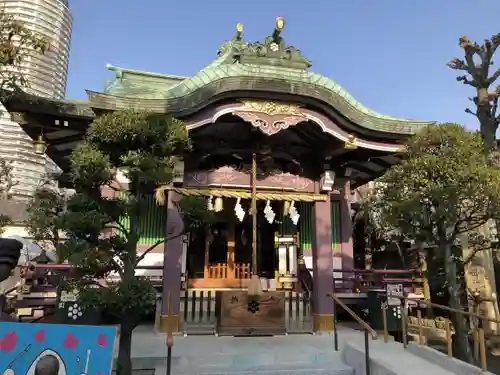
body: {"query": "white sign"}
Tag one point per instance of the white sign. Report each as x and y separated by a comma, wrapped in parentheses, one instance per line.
(67, 296)
(395, 290)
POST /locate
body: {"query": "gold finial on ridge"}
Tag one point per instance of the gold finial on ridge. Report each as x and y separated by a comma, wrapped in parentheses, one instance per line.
(239, 31)
(280, 23)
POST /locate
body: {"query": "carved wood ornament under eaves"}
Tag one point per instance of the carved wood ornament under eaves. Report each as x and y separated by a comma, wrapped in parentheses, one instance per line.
(270, 117)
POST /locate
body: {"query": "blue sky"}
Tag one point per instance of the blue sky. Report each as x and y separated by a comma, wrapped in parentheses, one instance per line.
(390, 55)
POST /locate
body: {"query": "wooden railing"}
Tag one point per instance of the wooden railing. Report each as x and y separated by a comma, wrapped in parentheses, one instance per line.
(225, 271)
(417, 323)
(368, 331)
(357, 280)
(352, 279)
(478, 332)
(355, 316)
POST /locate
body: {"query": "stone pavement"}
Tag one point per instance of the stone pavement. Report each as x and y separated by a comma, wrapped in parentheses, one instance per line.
(292, 354)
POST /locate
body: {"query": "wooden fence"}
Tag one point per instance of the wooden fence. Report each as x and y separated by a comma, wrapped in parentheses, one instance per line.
(198, 312)
(224, 271)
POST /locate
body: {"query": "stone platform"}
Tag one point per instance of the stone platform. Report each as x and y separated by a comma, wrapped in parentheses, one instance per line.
(291, 354)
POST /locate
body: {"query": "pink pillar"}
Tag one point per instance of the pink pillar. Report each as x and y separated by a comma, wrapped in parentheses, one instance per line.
(322, 267)
(172, 259)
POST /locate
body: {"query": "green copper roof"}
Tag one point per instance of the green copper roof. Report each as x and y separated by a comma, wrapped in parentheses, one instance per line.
(135, 83)
(240, 68)
(270, 65)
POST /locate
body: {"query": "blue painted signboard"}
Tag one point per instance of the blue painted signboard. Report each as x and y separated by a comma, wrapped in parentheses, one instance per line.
(55, 349)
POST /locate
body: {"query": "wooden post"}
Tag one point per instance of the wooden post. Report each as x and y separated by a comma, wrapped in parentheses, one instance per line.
(475, 334)
(475, 338)
(206, 271)
(421, 340)
(231, 247)
(449, 338)
(170, 339)
(404, 322)
(482, 349)
(384, 319)
(254, 214)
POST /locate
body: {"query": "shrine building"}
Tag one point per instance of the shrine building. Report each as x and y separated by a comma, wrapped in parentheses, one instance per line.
(313, 144)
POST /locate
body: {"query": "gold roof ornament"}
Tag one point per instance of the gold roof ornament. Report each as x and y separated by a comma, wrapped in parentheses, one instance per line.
(271, 108)
(280, 23)
(351, 143)
(239, 32)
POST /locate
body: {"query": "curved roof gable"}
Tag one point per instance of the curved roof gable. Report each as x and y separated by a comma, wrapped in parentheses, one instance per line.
(270, 65)
(139, 84)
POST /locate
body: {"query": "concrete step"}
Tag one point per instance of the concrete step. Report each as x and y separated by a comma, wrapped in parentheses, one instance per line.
(249, 364)
(264, 371)
(209, 355)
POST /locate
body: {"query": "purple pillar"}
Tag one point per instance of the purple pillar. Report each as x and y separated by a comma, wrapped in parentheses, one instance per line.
(322, 267)
(346, 228)
(172, 260)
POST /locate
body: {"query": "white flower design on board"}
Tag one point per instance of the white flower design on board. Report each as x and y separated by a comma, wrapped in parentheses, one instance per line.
(74, 311)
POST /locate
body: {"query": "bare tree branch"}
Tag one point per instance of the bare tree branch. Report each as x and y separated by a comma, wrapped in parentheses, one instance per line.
(473, 253)
(466, 81)
(478, 62)
(458, 64)
(495, 43)
(494, 77)
(467, 110)
(152, 247)
(470, 50)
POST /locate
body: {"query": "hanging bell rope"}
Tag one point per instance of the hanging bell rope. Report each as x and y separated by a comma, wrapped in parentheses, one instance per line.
(160, 194)
(254, 285)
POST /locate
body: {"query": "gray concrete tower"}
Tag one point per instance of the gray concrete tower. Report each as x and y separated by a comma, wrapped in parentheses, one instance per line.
(47, 76)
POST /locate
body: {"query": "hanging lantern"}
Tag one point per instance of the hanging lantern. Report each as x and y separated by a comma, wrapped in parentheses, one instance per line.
(178, 172)
(40, 145)
(210, 205)
(218, 205)
(327, 181)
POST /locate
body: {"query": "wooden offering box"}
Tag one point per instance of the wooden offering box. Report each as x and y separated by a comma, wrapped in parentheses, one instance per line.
(239, 315)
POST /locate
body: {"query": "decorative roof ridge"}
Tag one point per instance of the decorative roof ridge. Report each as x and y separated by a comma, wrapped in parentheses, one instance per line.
(120, 71)
(272, 51)
(92, 93)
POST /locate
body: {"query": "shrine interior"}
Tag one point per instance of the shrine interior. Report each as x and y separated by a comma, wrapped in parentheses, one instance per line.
(300, 150)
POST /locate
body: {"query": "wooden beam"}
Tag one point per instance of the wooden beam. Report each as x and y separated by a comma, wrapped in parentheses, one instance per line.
(64, 140)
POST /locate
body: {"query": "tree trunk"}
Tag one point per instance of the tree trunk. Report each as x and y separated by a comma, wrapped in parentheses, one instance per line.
(487, 124)
(124, 361)
(462, 346)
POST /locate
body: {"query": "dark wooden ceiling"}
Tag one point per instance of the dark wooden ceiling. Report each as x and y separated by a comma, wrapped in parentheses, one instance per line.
(304, 144)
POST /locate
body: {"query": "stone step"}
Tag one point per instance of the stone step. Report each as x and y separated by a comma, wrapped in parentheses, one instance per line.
(265, 371)
(210, 355)
(248, 364)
